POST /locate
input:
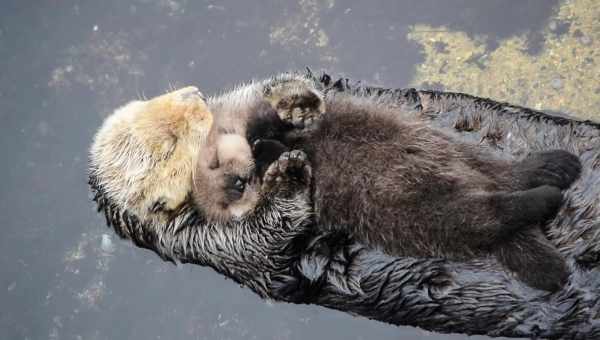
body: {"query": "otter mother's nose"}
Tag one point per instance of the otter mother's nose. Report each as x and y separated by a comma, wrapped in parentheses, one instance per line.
(190, 92)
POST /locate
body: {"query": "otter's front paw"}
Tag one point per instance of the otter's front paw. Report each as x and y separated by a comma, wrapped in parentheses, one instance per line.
(296, 101)
(291, 173)
(557, 168)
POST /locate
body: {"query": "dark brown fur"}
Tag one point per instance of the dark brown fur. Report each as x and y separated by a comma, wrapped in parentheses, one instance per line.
(412, 190)
(415, 191)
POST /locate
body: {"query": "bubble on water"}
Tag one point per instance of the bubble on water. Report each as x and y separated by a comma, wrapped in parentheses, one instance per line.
(107, 244)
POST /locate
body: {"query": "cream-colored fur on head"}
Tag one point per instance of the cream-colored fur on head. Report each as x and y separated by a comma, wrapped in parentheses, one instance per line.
(143, 155)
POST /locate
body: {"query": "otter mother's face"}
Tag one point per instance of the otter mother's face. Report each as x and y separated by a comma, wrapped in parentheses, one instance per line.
(142, 156)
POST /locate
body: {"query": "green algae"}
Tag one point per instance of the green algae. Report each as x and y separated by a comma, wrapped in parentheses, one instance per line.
(563, 76)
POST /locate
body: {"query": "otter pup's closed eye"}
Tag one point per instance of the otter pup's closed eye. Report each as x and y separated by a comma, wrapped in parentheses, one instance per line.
(234, 186)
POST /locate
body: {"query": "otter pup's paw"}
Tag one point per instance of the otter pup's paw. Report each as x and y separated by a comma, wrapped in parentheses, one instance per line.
(296, 101)
(290, 174)
(557, 168)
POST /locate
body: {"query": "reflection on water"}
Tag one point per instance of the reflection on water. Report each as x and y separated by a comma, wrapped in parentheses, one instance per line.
(66, 64)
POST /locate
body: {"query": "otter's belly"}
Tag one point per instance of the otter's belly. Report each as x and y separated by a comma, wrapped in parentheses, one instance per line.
(395, 203)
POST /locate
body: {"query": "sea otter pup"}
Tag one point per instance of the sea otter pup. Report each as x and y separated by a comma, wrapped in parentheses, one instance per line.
(229, 172)
(402, 186)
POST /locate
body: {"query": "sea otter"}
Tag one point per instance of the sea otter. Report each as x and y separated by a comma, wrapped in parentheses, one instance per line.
(401, 186)
(472, 297)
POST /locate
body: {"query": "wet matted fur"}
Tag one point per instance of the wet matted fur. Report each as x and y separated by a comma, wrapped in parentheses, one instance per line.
(283, 260)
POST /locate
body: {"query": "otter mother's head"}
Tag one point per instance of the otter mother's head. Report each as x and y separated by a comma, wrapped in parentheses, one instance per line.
(142, 158)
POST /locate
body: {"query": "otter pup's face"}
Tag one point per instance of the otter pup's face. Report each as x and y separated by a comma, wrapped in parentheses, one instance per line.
(225, 183)
(142, 156)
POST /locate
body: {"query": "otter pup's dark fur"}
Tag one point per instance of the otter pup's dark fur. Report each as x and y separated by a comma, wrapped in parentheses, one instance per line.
(412, 190)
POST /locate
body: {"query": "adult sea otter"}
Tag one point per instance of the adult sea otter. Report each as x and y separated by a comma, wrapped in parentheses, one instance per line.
(474, 297)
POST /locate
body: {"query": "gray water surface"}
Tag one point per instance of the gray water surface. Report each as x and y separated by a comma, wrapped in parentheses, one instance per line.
(66, 64)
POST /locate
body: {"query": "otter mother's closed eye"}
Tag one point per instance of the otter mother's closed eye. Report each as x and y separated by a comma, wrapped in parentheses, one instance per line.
(410, 189)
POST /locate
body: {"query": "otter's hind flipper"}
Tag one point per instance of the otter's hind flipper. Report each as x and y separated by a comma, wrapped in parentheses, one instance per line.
(528, 252)
(557, 168)
(527, 207)
(512, 212)
(535, 260)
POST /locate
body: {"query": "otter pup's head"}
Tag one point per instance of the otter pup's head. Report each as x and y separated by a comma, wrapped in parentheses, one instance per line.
(225, 184)
(229, 170)
(142, 157)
